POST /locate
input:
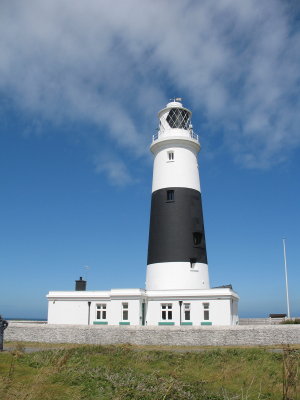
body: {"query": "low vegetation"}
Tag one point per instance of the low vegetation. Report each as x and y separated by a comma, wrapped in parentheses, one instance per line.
(291, 321)
(132, 372)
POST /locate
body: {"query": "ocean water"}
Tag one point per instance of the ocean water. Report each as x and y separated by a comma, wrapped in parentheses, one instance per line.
(25, 319)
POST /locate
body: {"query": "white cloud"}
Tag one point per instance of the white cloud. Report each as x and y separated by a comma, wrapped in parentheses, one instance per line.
(115, 169)
(237, 62)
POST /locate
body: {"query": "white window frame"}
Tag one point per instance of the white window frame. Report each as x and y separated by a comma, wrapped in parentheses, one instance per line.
(101, 311)
(186, 308)
(125, 311)
(206, 311)
(166, 311)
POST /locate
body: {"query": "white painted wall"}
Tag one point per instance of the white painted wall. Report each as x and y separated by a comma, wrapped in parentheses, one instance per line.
(69, 308)
(68, 312)
(115, 316)
(182, 171)
(72, 307)
(235, 316)
(219, 311)
(177, 275)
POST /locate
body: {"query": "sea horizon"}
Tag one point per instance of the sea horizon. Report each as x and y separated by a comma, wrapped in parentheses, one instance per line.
(25, 319)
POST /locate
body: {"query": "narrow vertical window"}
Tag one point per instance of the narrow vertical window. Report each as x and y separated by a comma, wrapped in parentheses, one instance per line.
(166, 312)
(187, 311)
(171, 155)
(206, 311)
(101, 312)
(170, 195)
(193, 262)
(125, 311)
(197, 237)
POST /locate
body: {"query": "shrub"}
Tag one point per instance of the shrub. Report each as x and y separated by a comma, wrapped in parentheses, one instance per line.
(291, 321)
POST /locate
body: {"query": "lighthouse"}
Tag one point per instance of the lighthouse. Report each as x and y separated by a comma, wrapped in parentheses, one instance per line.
(176, 251)
(177, 288)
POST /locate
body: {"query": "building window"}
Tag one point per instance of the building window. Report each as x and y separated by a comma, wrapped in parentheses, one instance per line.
(197, 237)
(170, 195)
(125, 311)
(193, 262)
(187, 311)
(101, 311)
(171, 155)
(206, 311)
(166, 312)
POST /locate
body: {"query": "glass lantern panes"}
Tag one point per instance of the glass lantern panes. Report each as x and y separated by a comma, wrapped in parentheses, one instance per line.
(178, 118)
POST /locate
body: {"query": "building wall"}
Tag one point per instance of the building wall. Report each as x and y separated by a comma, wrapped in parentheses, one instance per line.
(235, 316)
(115, 312)
(68, 312)
(72, 307)
(219, 312)
(76, 311)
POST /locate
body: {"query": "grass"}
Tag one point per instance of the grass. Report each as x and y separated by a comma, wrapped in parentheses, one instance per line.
(291, 321)
(136, 372)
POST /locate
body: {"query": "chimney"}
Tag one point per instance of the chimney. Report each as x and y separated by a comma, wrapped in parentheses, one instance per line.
(80, 284)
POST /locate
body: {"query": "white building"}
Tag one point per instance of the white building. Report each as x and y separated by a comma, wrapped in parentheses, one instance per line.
(177, 281)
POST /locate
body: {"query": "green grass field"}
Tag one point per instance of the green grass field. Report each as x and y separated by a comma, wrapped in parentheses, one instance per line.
(133, 372)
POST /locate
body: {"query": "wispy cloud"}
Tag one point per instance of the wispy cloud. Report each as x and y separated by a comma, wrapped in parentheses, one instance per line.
(115, 169)
(236, 61)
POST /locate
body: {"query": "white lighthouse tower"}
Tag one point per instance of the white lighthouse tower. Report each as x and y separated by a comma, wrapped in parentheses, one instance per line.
(177, 251)
(177, 283)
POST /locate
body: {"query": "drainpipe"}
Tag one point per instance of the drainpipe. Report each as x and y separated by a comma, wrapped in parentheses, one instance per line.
(180, 305)
(89, 305)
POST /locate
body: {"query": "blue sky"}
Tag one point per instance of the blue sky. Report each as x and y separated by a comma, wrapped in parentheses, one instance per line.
(80, 88)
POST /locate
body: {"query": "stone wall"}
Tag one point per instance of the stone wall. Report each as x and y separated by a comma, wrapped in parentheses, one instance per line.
(260, 321)
(149, 335)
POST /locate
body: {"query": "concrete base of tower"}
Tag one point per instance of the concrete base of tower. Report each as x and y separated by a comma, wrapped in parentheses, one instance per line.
(177, 276)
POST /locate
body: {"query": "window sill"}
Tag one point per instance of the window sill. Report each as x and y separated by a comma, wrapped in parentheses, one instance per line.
(166, 323)
(206, 323)
(186, 323)
(100, 323)
(169, 161)
(170, 201)
(124, 323)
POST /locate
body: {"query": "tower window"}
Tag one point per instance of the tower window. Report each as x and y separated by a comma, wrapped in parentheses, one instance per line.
(197, 237)
(193, 262)
(170, 195)
(171, 155)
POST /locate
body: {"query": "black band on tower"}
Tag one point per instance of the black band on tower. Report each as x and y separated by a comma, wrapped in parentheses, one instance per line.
(176, 226)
